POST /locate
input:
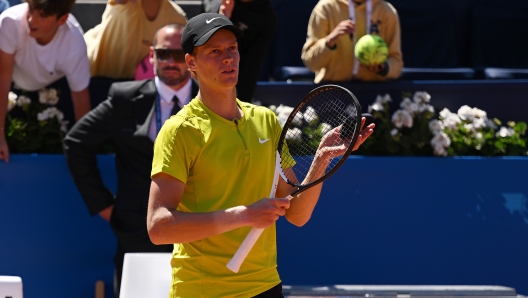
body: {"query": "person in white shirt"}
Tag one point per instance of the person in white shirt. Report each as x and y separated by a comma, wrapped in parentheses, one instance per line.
(40, 43)
(130, 119)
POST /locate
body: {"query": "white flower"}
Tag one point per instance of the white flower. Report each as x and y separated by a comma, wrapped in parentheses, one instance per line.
(44, 115)
(479, 123)
(469, 127)
(441, 139)
(379, 102)
(383, 99)
(325, 128)
(11, 101)
(439, 151)
(283, 112)
(273, 108)
(48, 96)
(409, 106)
(64, 126)
(43, 96)
(445, 113)
(465, 113)
(282, 109)
(257, 103)
(12, 96)
(451, 121)
(480, 113)
(53, 97)
(478, 135)
(402, 118)
(298, 119)
(375, 107)
(505, 132)
(421, 97)
(440, 142)
(436, 126)
(394, 132)
(310, 116)
(350, 110)
(50, 113)
(282, 119)
(23, 100)
(423, 107)
(294, 135)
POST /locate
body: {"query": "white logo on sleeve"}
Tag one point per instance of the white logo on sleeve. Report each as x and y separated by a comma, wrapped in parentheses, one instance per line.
(263, 141)
(209, 21)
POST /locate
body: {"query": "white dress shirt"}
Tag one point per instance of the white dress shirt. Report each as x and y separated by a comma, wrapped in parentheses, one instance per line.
(166, 94)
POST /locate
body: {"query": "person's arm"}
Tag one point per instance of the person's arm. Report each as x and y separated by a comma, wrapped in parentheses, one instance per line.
(167, 225)
(226, 8)
(81, 103)
(392, 36)
(7, 62)
(80, 146)
(321, 38)
(302, 205)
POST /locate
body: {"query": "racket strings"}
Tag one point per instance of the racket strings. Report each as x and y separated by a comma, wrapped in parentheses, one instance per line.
(314, 126)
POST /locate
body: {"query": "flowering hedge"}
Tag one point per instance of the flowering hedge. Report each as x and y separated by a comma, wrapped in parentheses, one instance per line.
(39, 126)
(413, 130)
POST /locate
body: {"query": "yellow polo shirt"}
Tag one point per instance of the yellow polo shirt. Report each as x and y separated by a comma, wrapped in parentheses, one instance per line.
(223, 164)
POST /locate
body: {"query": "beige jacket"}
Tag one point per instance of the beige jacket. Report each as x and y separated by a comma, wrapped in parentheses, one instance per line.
(117, 45)
(337, 64)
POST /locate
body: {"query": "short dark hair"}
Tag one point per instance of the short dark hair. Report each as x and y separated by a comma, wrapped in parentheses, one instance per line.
(52, 7)
(175, 26)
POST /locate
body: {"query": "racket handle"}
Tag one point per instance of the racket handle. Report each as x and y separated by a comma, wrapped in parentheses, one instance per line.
(243, 250)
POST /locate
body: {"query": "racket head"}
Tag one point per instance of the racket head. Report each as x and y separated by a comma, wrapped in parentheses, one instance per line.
(329, 113)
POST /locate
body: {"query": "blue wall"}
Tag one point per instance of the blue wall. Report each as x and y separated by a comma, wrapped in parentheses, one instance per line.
(407, 221)
(47, 236)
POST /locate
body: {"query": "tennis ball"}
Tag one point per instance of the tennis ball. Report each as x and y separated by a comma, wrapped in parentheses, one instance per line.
(371, 49)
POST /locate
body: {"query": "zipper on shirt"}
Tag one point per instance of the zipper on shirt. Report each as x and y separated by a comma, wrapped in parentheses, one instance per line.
(242, 138)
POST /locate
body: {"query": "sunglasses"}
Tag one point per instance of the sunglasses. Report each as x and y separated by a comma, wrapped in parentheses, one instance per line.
(165, 55)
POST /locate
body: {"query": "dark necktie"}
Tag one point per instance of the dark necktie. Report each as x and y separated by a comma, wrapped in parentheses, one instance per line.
(176, 106)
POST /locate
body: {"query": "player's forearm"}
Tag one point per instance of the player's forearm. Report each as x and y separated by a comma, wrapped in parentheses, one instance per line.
(172, 226)
(303, 205)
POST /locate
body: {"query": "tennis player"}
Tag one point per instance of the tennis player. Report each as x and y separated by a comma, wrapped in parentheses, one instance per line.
(212, 172)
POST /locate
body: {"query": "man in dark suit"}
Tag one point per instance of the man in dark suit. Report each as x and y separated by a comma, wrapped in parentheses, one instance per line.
(130, 119)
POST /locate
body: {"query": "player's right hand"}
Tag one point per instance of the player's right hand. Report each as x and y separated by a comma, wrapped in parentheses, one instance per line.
(344, 27)
(264, 212)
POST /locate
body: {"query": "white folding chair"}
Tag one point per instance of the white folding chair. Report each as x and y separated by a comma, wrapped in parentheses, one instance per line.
(145, 275)
(10, 287)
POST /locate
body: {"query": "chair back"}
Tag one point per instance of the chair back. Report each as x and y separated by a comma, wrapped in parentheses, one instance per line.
(10, 286)
(146, 275)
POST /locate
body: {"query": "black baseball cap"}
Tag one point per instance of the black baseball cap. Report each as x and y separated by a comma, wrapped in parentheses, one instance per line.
(201, 27)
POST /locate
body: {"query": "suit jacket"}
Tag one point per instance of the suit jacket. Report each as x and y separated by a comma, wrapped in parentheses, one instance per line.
(124, 120)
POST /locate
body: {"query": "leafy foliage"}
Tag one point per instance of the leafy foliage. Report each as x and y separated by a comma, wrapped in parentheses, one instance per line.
(40, 127)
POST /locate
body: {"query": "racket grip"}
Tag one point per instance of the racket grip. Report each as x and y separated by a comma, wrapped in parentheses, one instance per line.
(243, 250)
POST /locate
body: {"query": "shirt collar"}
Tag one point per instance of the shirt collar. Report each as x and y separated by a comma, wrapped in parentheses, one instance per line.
(167, 93)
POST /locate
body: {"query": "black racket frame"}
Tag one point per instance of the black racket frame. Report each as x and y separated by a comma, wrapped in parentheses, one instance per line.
(300, 105)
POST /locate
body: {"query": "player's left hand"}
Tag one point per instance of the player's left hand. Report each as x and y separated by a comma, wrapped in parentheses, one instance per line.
(364, 134)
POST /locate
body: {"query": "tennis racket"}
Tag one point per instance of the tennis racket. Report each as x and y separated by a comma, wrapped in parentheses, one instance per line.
(327, 121)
